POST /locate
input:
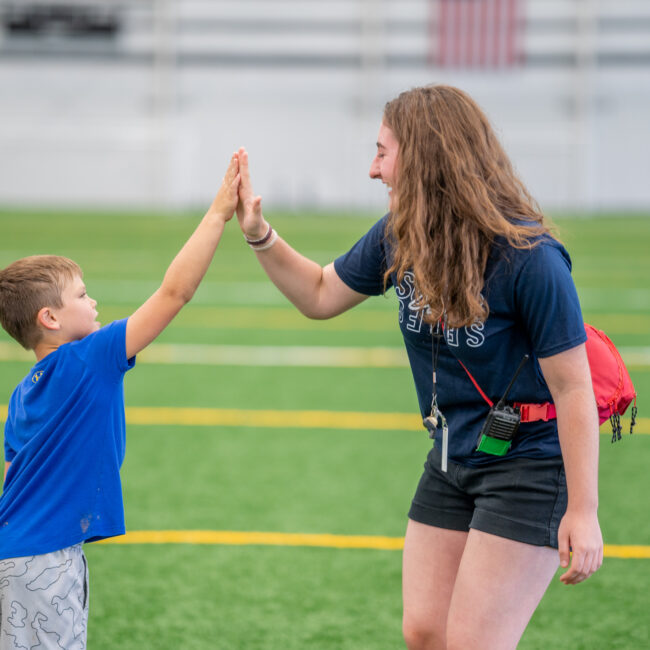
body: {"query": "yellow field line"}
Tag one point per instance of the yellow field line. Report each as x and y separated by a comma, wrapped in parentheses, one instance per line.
(235, 538)
(354, 420)
(627, 552)
(274, 419)
(296, 419)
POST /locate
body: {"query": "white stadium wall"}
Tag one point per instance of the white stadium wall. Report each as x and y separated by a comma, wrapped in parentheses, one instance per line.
(145, 114)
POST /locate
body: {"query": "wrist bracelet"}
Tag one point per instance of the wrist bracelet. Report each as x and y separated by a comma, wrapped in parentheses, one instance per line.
(263, 247)
(262, 241)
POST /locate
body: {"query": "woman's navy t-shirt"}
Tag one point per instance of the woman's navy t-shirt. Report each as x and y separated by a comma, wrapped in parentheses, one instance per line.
(533, 309)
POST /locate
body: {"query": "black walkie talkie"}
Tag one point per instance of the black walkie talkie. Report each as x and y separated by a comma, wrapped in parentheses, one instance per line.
(501, 424)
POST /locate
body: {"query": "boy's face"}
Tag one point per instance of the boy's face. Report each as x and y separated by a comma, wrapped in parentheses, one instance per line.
(78, 314)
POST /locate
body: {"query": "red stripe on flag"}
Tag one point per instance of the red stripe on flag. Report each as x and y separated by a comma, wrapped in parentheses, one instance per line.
(469, 29)
(512, 33)
(458, 38)
(472, 33)
(442, 32)
(497, 25)
(483, 39)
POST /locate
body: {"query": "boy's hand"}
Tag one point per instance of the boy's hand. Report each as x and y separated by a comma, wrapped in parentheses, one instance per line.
(225, 202)
(249, 208)
(187, 269)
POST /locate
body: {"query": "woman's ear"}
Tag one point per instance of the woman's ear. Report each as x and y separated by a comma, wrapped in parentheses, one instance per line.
(47, 319)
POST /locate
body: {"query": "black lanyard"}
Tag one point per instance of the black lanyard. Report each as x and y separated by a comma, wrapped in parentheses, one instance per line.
(436, 416)
(435, 352)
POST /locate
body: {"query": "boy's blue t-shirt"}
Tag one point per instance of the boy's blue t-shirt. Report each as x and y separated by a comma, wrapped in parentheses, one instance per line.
(65, 440)
(533, 309)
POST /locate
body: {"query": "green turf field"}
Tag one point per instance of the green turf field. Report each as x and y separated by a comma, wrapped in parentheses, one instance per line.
(310, 479)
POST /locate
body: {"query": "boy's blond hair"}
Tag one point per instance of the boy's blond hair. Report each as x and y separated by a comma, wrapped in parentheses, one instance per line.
(28, 285)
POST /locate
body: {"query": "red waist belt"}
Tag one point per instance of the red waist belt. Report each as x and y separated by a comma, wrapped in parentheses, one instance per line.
(536, 412)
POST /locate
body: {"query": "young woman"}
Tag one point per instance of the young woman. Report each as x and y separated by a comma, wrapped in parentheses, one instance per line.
(484, 288)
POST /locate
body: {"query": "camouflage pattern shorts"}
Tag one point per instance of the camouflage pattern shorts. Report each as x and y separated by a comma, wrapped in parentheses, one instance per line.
(44, 601)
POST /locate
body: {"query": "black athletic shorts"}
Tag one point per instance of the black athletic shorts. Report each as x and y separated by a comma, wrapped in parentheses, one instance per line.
(519, 498)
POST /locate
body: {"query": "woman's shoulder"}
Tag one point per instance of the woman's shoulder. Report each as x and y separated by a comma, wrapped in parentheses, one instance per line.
(541, 247)
(380, 225)
(378, 234)
(546, 249)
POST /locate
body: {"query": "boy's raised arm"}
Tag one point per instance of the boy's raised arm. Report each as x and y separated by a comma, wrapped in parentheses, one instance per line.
(186, 270)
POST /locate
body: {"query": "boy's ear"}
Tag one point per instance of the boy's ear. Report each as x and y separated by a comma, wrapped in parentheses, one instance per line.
(47, 319)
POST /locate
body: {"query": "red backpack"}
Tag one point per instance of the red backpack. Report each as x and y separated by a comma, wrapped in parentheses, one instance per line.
(613, 387)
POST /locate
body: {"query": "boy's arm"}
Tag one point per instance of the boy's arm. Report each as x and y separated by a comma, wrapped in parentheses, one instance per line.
(7, 463)
(187, 269)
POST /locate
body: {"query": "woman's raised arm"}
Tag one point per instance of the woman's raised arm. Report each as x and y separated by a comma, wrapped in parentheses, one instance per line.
(316, 291)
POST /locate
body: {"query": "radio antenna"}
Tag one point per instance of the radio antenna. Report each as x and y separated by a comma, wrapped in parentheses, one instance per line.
(502, 401)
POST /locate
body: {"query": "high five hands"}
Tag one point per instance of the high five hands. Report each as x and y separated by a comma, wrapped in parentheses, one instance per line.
(224, 203)
(249, 208)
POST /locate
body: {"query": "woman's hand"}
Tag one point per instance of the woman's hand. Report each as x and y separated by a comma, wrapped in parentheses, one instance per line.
(249, 208)
(569, 380)
(225, 202)
(580, 533)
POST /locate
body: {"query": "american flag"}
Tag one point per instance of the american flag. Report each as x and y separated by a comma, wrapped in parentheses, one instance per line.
(475, 33)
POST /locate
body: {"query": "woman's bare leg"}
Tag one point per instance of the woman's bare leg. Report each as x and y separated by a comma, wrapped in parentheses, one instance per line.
(431, 559)
(498, 587)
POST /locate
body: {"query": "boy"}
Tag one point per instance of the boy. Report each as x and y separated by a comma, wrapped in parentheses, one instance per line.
(65, 431)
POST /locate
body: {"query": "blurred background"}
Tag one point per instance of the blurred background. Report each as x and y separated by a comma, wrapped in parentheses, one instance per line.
(138, 104)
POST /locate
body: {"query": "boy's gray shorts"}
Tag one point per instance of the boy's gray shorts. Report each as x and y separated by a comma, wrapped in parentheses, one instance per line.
(519, 498)
(44, 601)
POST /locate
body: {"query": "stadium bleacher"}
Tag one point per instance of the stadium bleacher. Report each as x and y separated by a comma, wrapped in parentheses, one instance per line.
(168, 86)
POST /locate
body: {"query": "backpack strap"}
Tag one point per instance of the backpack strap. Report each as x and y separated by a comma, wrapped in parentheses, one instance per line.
(478, 388)
(529, 412)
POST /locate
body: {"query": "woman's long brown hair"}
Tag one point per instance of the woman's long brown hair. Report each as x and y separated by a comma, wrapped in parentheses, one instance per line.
(456, 192)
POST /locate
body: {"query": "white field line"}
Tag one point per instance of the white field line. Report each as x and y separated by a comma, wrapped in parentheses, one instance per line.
(638, 357)
(266, 355)
(245, 355)
(264, 292)
(250, 355)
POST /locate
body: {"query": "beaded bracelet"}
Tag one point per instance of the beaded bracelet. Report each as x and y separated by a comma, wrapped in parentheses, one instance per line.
(263, 247)
(262, 241)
